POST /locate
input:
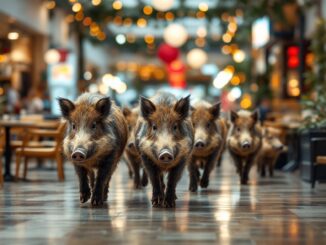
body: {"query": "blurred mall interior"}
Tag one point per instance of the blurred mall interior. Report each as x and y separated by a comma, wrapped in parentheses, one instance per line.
(264, 55)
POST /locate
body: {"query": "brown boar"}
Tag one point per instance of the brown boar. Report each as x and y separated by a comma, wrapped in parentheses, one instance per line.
(244, 141)
(270, 150)
(208, 142)
(96, 136)
(164, 138)
(131, 154)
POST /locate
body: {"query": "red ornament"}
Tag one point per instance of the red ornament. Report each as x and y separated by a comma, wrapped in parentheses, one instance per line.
(63, 54)
(167, 53)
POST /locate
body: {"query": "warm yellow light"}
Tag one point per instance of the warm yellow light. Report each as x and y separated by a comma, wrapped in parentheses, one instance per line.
(169, 16)
(13, 35)
(201, 32)
(295, 92)
(200, 15)
(96, 2)
(50, 4)
(293, 83)
(2, 91)
(242, 77)
(226, 49)
(3, 58)
(239, 56)
(131, 38)
(148, 10)
(227, 38)
(229, 68)
(203, 6)
(117, 20)
(117, 5)
(87, 21)
(200, 42)
(72, 1)
(225, 17)
(246, 102)
(141, 22)
(101, 36)
(149, 39)
(77, 7)
(238, 12)
(235, 80)
(232, 27)
(127, 22)
(79, 16)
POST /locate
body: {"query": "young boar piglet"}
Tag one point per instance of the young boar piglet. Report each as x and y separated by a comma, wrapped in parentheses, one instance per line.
(95, 139)
(131, 154)
(270, 150)
(244, 141)
(208, 142)
(164, 138)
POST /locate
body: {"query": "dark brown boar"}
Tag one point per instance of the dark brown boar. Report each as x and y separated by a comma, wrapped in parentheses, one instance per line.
(131, 154)
(270, 150)
(96, 136)
(164, 138)
(244, 141)
(208, 142)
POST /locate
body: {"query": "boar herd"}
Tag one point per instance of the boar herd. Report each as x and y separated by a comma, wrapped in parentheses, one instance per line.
(159, 139)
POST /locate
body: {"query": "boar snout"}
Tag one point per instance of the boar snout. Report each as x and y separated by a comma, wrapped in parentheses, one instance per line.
(279, 148)
(131, 145)
(79, 155)
(199, 144)
(246, 145)
(165, 156)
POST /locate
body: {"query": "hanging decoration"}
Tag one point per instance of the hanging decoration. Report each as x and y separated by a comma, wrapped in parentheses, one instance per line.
(167, 53)
(175, 35)
(162, 5)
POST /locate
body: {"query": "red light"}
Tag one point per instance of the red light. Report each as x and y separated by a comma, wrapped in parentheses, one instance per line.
(293, 59)
(293, 51)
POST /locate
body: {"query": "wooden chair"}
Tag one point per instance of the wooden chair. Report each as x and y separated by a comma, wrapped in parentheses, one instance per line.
(54, 152)
(318, 156)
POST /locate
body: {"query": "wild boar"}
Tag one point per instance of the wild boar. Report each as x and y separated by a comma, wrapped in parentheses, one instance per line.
(131, 154)
(270, 150)
(164, 138)
(96, 136)
(244, 141)
(208, 142)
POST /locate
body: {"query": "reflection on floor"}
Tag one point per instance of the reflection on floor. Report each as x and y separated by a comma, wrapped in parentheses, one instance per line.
(281, 210)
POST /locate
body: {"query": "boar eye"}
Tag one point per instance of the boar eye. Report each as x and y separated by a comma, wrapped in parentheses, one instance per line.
(238, 129)
(94, 125)
(175, 127)
(73, 126)
(208, 125)
(154, 127)
(129, 128)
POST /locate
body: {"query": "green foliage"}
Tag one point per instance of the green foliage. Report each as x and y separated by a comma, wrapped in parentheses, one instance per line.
(317, 112)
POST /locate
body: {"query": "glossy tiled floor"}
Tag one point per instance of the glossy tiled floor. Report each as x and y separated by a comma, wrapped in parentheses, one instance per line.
(282, 210)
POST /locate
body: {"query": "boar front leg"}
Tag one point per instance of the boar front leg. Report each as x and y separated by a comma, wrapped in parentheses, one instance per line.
(134, 163)
(193, 175)
(173, 178)
(144, 180)
(245, 173)
(104, 173)
(271, 165)
(154, 175)
(85, 191)
(237, 162)
(211, 161)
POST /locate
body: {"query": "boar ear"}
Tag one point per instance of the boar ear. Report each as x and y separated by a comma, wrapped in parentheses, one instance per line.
(255, 116)
(66, 107)
(215, 110)
(126, 111)
(182, 107)
(146, 107)
(103, 106)
(233, 116)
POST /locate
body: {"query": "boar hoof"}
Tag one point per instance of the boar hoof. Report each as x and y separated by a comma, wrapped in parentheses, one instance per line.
(244, 182)
(169, 202)
(204, 183)
(97, 201)
(105, 196)
(84, 196)
(157, 202)
(130, 174)
(193, 188)
(144, 182)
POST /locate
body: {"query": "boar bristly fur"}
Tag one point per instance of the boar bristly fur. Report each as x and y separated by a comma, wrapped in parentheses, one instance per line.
(244, 141)
(208, 142)
(164, 138)
(270, 150)
(95, 139)
(131, 154)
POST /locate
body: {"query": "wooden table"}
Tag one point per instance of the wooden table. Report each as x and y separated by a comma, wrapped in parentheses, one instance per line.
(8, 124)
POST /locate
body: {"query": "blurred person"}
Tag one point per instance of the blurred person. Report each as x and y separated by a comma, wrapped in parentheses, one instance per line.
(34, 101)
(13, 101)
(264, 108)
